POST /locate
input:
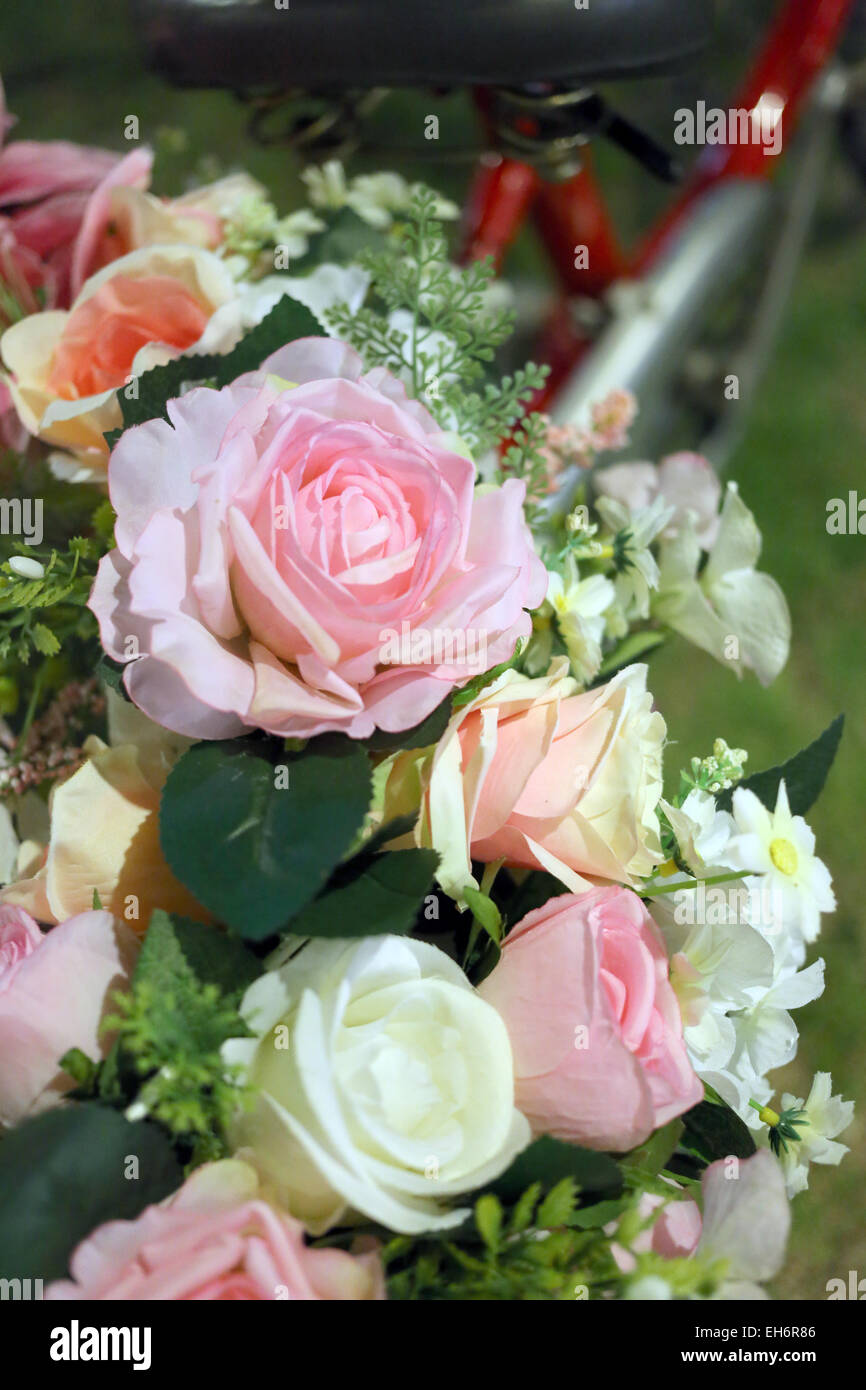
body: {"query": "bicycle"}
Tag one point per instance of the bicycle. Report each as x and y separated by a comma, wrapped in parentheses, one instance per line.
(624, 318)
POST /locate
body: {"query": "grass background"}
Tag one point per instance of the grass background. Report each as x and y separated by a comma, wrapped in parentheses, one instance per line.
(74, 71)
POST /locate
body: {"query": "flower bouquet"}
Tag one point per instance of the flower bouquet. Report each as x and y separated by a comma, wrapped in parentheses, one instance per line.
(349, 945)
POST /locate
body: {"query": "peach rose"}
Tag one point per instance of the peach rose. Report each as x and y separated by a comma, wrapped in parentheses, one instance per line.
(120, 219)
(138, 312)
(214, 1240)
(55, 988)
(594, 1025)
(104, 831)
(535, 773)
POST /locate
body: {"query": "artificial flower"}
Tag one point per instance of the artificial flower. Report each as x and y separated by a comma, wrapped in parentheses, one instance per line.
(533, 772)
(275, 544)
(686, 481)
(582, 984)
(817, 1121)
(781, 848)
(55, 989)
(729, 609)
(103, 831)
(384, 1083)
(215, 1240)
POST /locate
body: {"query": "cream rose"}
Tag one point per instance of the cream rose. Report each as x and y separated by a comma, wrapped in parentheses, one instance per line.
(104, 831)
(385, 1083)
(537, 774)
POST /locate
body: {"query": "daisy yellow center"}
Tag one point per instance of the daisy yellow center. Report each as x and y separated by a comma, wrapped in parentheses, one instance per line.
(784, 856)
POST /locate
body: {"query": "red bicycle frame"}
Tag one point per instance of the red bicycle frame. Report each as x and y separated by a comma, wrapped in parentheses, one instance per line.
(803, 37)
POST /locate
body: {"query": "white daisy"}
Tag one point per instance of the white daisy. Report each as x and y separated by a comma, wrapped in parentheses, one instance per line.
(780, 847)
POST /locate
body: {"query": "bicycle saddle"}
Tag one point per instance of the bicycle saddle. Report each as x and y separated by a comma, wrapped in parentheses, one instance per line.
(317, 44)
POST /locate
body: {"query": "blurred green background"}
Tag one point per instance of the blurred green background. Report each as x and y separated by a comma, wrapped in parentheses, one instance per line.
(75, 70)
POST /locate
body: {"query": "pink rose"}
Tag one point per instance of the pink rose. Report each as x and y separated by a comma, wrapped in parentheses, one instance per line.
(215, 1239)
(276, 543)
(673, 1234)
(55, 199)
(55, 988)
(595, 1028)
(543, 775)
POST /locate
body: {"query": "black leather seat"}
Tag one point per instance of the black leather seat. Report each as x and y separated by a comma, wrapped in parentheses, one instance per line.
(319, 44)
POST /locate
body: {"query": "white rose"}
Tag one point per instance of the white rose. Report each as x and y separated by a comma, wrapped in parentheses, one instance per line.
(386, 1083)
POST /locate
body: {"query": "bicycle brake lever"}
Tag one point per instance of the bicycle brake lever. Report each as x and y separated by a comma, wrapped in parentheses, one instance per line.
(635, 142)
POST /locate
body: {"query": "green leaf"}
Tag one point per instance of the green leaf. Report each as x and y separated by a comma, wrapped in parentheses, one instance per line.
(44, 640)
(636, 645)
(549, 1160)
(804, 774)
(559, 1204)
(467, 693)
(488, 1219)
(110, 673)
(67, 1171)
(653, 1156)
(429, 731)
(591, 1218)
(287, 321)
(715, 1131)
(524, 1208)
(176, 947)
(253, 849)
(536, 889)
(485, 912)
(383, 900)
(80, 1067)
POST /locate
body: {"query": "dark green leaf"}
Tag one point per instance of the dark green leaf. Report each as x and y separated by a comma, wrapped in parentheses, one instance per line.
(429, 731)
(653, 1156)
(536, 889)
(382, 900)
(715, 1131)
(287, 321)
(252, 850)
(110, 673)
(804, 774)
(549, 1160)
(69, 1170)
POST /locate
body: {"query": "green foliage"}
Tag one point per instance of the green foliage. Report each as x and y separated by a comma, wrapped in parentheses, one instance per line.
(39, 615)
(712, 1130)
(528, 1250)
(468, 692)
(382, 897)
(255, 841)
(549, 1161)
(804, 774)
(287, 321)
(452, 333)
(170, 1027)
(67, 1171)
(647, 1161)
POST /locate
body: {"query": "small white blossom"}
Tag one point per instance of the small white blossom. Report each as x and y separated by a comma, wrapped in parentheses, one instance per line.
(579, 605)
(642, 527)
(730, 599)
(702, 831)
(780, 847)
(826, 1116)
